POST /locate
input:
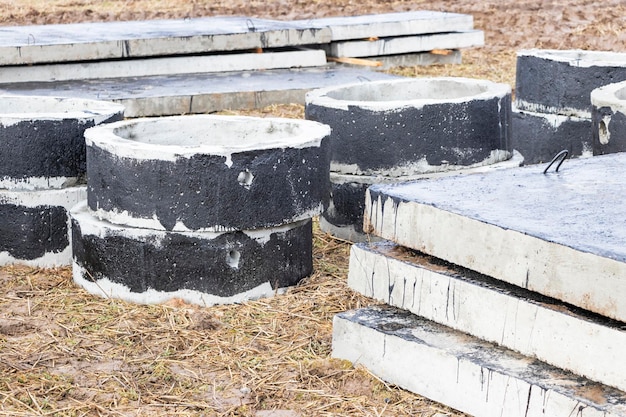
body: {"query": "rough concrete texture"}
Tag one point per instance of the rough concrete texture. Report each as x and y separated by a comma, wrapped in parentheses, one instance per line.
(41, 139)
(34, 226)
(560, 82)
(540, 136)
(150, 266)
(557, 234)
(406, 44)
(391, 24)
(201, 93)
(208, 172)
(608, 115)
(34, 44)
(463, 372)
(414, 126)
(491, 310)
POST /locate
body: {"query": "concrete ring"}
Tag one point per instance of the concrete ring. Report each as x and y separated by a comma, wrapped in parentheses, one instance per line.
(206, 268)
(608, 118)
(208, 172)
(42, 139)
(414, 126)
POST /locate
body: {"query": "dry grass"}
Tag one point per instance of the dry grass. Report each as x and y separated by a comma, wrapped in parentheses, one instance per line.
(64, 352)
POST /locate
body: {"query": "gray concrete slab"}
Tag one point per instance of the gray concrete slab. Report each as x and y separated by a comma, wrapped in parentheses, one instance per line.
(201, 93)
(391, 24)
(21, 45)
(514, 318)
(465, 373)
(406, 44)
(560, 234)
(163, 66)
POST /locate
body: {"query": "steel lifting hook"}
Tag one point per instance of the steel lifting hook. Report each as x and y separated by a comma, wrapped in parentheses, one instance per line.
(561, 155)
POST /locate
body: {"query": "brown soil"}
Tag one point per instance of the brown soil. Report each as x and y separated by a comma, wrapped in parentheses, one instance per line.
(66, 353)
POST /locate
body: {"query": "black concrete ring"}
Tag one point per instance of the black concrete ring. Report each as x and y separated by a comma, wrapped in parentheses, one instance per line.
(414, 126)
(41, 139)
(561, 81)
(608, 118)
(206, 268)
(208, 173)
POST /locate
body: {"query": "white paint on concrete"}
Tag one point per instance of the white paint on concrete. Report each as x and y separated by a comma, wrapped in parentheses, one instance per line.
(557, 234)
(406, 44)
(519, 321)
(162, 66)
(391, 24)
(105, 288)
(394, 95)
(19, 108)
(171, 138)
(37, 183)
(551, 119)
(465, 373)
(536, 108)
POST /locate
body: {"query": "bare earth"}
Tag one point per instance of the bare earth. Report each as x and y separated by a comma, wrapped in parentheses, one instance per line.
(66, 353)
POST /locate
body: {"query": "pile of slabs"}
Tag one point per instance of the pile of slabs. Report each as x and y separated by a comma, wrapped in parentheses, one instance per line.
(166, 67)
(505, 292)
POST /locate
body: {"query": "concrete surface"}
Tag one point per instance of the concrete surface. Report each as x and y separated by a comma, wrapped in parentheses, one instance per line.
(406, 44)
(148, 67)
(465, 373)
(390, 24)
(491, 310)
(557, 234)
(201, 93)
(34, 44)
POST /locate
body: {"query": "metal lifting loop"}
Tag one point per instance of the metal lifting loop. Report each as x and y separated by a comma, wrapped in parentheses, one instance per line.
(561, 155)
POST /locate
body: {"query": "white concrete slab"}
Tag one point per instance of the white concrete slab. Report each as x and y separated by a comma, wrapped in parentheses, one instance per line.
(560, 234)
(406, 44)
(517, 319)
(463, 372)
(201, 93)
(21, 45)
(391, 24)
(163, 66)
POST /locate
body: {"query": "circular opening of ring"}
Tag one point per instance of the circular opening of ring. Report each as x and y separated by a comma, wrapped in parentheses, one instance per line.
(233, 258)
(245, 178)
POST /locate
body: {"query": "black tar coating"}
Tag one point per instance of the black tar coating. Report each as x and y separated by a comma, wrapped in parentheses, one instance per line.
(182, 262)
(29, 233)
(202, 191)
(382, 140)
(349, 204)
(559, 85)
(538, 141)
(44, 148)
(616, 129)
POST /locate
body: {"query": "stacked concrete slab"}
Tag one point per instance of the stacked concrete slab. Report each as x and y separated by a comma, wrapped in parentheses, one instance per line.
(167, 67)
(505, 291)
(552, 106)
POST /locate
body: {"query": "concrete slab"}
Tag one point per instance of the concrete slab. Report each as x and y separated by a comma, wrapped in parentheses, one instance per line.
(406, 44)
(525, 322)
(163, 66)
(201, 93)
(391, 24)
(21, 45)
(463, 372)
(558, 234)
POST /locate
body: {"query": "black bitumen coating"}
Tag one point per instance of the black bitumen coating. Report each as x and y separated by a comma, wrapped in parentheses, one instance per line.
(559, 85)
(379, 140)
(180, 261)
(203, 192)
(616, 129)
(44, 148)
(28, 233)
(539, 141)
(349, 203)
